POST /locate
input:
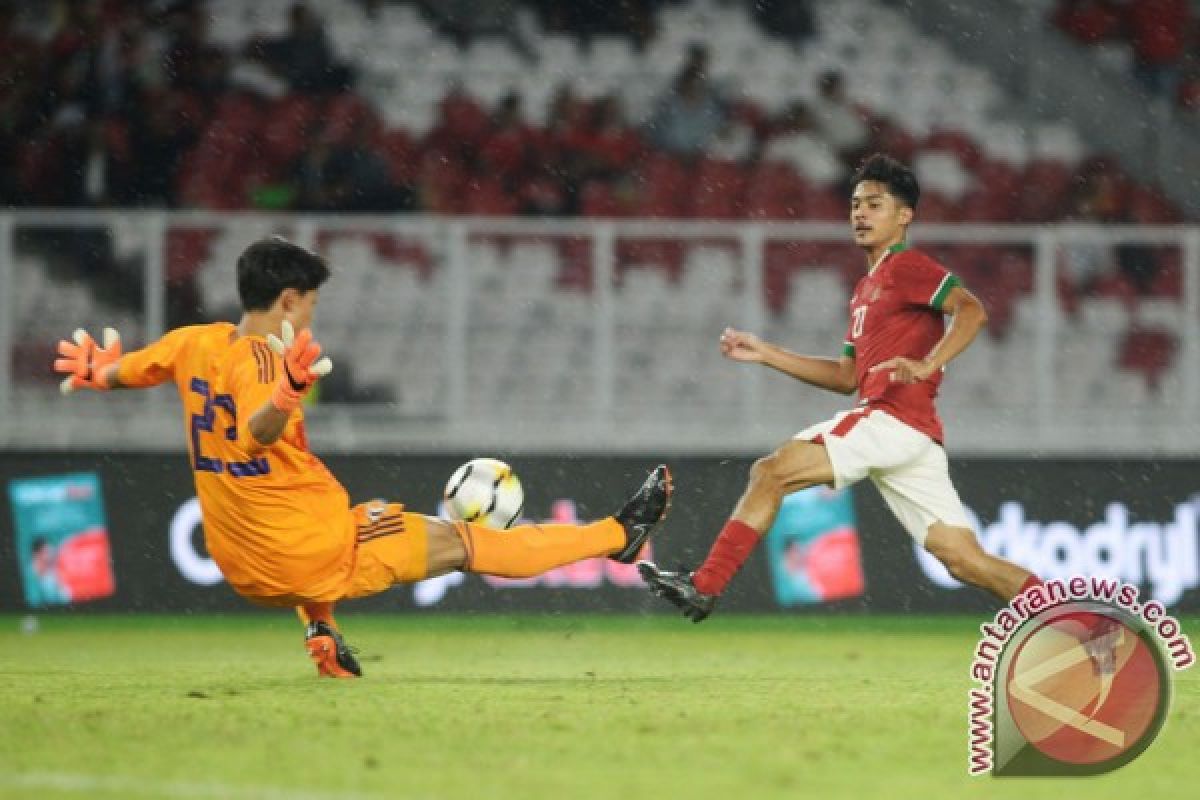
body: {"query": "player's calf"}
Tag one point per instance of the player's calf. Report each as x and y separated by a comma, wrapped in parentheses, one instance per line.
(960, 552)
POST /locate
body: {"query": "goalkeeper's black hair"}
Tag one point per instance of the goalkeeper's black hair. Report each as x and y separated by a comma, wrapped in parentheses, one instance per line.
(900, 181)
(271, 265)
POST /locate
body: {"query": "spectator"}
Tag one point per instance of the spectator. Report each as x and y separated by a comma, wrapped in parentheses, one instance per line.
(159, 138)
(797, 142)
(348, 175)
(632, 18)
(506, 150)
(842, 125)
(466, 20)
(1158, 30)
(691, 113)
(788, 19)
(1088, 21)
(736, 141)
(606, 145)
(190, 61)
(558, 143)
(1087, 262)
(303, 56)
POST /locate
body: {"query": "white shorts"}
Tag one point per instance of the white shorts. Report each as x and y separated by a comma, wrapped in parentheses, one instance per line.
(909, 468)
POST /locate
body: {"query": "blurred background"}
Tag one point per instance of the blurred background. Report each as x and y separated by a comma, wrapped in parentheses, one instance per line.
(540, 215)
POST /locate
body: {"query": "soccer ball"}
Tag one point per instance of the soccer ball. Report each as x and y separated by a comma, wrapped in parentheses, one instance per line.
(484, 490)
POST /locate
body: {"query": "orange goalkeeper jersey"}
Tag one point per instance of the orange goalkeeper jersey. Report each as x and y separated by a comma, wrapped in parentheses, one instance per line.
(276, 521)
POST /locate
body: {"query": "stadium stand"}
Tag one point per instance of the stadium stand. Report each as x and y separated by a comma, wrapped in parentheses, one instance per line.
(1155, 42)
(200, 106)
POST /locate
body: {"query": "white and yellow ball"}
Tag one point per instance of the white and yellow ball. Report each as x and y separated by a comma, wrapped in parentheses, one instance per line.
(484, 490)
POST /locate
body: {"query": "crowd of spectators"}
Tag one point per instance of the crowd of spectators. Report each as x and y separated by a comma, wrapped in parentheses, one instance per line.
(1163, 36)
(128, 103)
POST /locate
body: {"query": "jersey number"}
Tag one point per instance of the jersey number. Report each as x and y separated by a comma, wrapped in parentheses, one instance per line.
(205, 421)
(860, 317)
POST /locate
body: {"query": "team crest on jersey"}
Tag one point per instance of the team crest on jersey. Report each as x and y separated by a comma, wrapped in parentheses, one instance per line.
(875, 292)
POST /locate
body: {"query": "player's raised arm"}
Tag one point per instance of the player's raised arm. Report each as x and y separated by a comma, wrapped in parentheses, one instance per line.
(87, 364)
(826, 373)
(967, 318)
(302, 366)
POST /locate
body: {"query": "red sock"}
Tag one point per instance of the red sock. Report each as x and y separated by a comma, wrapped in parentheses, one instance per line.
(1094, 624)
(731, 549)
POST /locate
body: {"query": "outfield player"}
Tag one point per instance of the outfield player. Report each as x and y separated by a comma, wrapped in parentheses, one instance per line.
(276, 521)
(897, 345)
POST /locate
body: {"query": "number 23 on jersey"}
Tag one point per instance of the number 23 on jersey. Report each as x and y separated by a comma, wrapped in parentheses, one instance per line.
(203, 428)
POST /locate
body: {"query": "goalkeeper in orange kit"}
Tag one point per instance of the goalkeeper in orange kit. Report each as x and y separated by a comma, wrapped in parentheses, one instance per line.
(276, 521)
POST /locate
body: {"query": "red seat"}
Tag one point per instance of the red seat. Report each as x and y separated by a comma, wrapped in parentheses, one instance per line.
(774, 191)
(187, 249)
(401, 154)
(719, 190)
(1149, 206)
(827, 204)
(935, 207)
(664, 188)
(1148, 351)
(1168, 282)
(345, 114)
(287, 129)
(441, 182)
(599, 200)
(1044, 194)
(488, 197)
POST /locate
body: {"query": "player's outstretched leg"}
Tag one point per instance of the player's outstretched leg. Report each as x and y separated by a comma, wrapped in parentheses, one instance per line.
(329, 651)
(960, 552)
(792, 466)
(528, 550)
(677, 587)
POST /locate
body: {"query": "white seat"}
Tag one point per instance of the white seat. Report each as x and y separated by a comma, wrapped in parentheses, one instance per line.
(1058, 141)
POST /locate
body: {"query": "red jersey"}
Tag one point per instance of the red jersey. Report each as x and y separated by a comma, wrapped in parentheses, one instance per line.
(896, 310)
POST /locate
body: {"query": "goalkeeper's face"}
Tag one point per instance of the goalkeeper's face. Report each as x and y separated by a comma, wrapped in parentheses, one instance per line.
(299, 307)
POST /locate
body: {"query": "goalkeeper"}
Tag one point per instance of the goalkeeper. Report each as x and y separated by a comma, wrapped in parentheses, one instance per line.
(276, 521)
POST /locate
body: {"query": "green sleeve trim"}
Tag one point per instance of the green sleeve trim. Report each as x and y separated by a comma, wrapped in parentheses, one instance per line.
(949, 282)
(847, 349)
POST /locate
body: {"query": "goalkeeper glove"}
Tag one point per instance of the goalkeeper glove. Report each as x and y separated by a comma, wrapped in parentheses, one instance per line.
(301, 366)
(86, 364)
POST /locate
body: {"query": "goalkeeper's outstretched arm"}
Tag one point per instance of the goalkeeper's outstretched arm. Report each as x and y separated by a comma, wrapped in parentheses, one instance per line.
(88, 365)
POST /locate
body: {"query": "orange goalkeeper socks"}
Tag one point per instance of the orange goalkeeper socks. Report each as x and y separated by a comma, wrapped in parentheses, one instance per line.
(528, 550)
(316, 612)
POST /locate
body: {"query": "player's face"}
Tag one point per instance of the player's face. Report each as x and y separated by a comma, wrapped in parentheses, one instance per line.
(877, 217)
(302, 308)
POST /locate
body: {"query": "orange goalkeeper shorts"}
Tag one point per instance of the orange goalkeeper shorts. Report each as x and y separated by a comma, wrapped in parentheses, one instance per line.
(392, 547)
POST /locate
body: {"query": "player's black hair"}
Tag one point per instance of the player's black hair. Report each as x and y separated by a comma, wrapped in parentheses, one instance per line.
(900, 181)
(271, 265)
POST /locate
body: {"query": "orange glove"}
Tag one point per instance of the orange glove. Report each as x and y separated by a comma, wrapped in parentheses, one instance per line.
(301, 366)
(86, 364)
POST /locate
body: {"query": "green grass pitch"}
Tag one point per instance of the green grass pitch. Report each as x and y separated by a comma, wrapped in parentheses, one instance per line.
(518, 707)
